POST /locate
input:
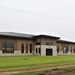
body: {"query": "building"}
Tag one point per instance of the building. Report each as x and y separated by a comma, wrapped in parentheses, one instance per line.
(25, 44)
(65, 47)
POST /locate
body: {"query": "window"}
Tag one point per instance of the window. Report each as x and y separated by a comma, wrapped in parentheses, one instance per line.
(22, 48)
(26, 45)
(30, 48)
(48, 43)
(73, 49)
(36, 50)
(65, 49)
(39, 50)
(37, 43)
(8, 47)
(3, 46)
(26, 48)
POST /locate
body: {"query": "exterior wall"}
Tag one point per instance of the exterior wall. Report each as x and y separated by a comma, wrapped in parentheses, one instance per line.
(4, 39)
(59, 45)
(37, 46)
(20, 41)
(43, 46)
(17, 45)
(72, 45)
(44, 40)
(70, 48)
(38, 40)
(43, 50)
(16, 53)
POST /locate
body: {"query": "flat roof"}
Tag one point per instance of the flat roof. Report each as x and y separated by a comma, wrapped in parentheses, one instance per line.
(48, 36)
(65, 41)
(22, 35)
(18, 35)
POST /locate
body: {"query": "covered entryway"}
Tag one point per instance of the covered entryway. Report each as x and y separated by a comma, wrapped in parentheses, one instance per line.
(49, 52)
(46, 50)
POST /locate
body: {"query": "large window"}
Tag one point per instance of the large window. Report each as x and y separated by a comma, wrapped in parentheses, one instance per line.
(30, 48)
(26, 48)
(22, 48)
(73, 49)
(65, 49)
(36, 50)
(8, 47)
(39, 50)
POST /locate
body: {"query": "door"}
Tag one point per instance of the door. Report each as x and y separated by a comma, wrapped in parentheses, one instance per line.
(48, 52)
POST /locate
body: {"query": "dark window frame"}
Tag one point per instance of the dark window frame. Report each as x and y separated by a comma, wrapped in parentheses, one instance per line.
(57, 49)
(65, 49)
(40, 50)
(74, 50)
(7, 47)
(36, 50)
(30, 48)
(26, 48)
(22, 47)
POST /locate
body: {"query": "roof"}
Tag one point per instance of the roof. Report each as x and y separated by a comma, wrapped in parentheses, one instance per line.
(47, 36)
(65, 41)
(28, 36)
(18, 35)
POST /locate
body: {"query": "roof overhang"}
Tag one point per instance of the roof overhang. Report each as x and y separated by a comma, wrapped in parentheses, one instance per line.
(47, 36)
(66, 42)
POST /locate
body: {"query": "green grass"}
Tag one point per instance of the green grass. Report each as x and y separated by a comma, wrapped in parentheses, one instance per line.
(33, 62)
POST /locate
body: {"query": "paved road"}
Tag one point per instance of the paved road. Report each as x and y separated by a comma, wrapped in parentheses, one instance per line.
(15, 72)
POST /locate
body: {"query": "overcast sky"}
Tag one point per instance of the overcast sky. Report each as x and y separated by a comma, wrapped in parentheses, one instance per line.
(23, 22)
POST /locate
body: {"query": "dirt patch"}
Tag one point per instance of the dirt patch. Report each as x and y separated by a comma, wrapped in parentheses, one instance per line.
(53, 72)
(59, 72)
(50, 71)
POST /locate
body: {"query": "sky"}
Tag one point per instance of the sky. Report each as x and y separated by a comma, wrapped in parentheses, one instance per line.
(50, 17)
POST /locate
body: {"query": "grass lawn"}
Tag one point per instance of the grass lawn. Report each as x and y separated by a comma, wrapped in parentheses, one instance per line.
(33, 62)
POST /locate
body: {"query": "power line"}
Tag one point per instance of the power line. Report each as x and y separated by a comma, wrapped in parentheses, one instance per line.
(36, 14)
